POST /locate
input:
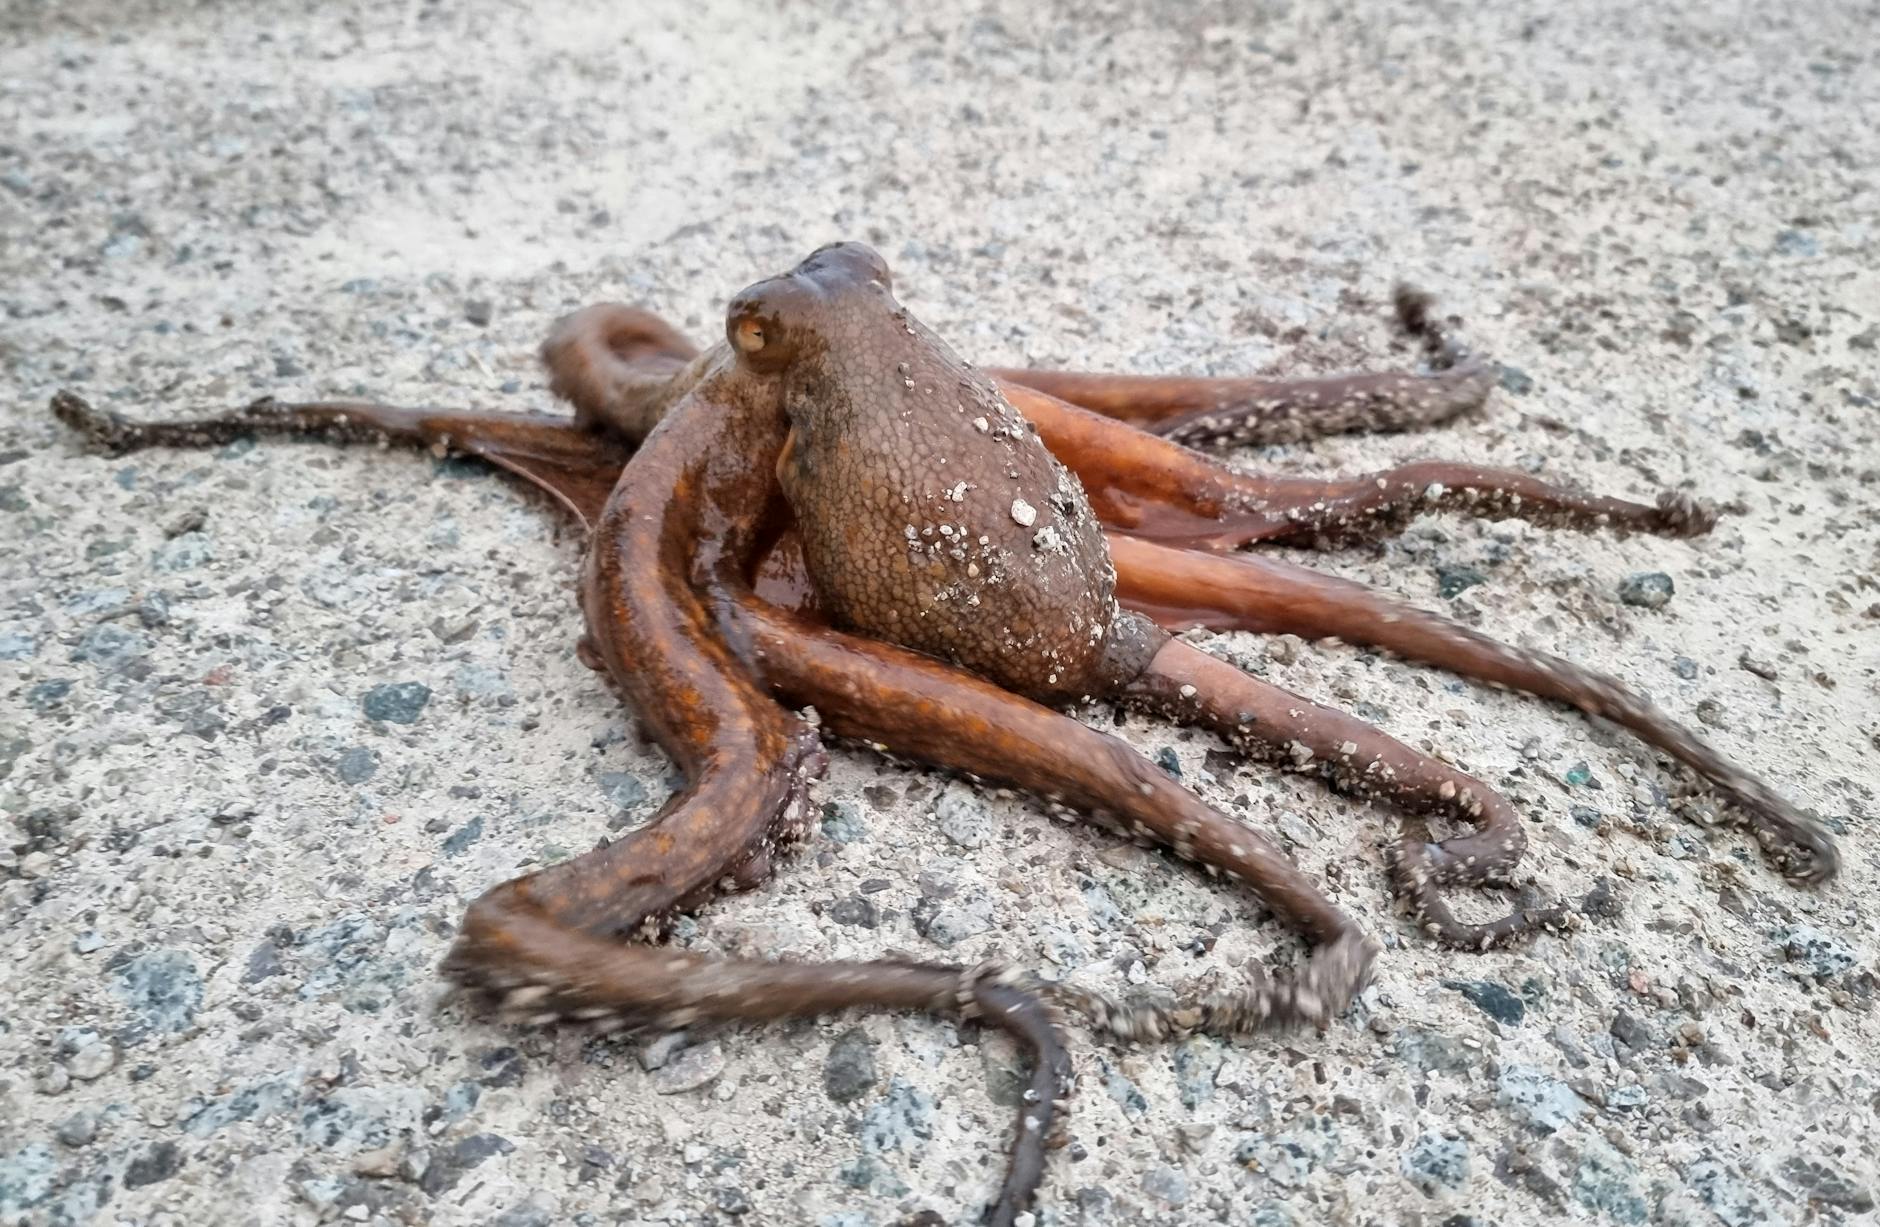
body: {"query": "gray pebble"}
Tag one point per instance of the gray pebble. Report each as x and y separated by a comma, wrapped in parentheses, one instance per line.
(264, 961)
(626, 790)
(1606, 1182)
(162, 988)
(1168, 1185)
(346, 959)
(900, 1120)
(1289, 1158)
(352, 1119)
(478, 682)
(396, 702)
(849, 1070)
(936, 883)
(1127, 1094)
(256, 1100)
(1062, 947)
(948, 924)
(1272, 1213)
(1497, 1001)
(13, 746)
(463, 836)
(1729, 1197)
(1538, 1099)
(1102, 904)
(1823, 954)
(1824, 1184)
(1647, 589)
(1681, 1086)
(449, 1166)
(93, 1061)
(1196, 1061)
(1633, 1033)
(869, 1173)
(1430, 1051)
(842, 822)
(1435, 1162)
(690, 1070)
(1797, 243)
(55, 1081)
(962, 817)
(160, 1162)
(45, 696)
(111, 646)
(1297, 829)
(462, 1097)
(1569, 1047)
(184, 553)
(534, 1212)
(1603, 900)
(1626, 1098)
(858, 910)
(78, 1130)
(357, 764)
(1454, 579)
(28, 1177)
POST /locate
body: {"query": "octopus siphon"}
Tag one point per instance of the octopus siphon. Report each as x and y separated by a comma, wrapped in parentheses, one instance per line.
(829, 509)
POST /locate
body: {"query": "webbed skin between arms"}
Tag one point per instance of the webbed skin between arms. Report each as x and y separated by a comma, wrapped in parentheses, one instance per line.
(830, 508)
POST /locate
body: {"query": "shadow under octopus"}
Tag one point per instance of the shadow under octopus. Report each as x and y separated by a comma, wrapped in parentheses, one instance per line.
(829, 509)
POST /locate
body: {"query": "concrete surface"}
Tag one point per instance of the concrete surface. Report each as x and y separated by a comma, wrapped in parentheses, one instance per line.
(270, 715)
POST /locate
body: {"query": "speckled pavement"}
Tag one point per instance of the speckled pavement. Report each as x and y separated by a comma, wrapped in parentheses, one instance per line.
(270, 714)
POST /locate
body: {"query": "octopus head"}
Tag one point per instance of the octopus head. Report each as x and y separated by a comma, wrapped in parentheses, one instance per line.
(783, 319)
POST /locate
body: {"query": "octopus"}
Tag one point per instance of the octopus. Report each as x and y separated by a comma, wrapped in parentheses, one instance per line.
(828, 523)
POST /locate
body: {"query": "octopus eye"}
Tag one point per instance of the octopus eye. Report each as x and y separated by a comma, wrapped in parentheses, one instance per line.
(765, 324)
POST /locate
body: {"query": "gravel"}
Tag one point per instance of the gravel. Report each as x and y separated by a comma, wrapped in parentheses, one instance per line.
(272, 714)
(1647, 590)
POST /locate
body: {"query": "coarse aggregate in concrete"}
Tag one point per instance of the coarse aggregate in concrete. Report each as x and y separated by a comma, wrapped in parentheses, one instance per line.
(271, 714)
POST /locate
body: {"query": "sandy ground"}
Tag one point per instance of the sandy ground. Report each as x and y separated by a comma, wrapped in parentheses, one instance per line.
(269, 715)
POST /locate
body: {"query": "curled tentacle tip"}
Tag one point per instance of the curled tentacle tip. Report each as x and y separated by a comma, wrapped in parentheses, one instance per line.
(101, 427)
(1813, 861)
(1681, 515)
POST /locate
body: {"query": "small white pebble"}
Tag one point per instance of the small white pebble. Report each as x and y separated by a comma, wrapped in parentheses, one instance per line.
(1024, 513)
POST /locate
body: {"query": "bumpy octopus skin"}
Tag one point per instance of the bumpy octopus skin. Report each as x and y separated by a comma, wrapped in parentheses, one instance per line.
(831, 509)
